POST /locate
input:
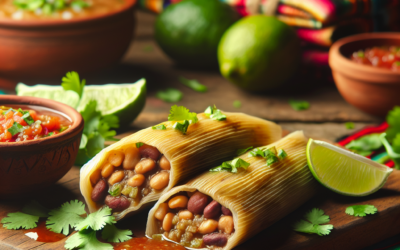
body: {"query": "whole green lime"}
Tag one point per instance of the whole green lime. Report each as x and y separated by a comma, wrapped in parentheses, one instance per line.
(189, 31)
(259, 53)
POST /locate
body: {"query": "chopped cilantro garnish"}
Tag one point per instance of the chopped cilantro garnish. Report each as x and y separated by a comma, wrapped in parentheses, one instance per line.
(111, 233)
(170, 95)
(270, 154)
(139, 144)
(361, 210)
(282, 154)
(159, 127)
(97, 220)
(243, 150)
(193, 84)
(180, 113)
(26, 116)
(237, 104)
(231, 166)
(349, 125)
(312, 223)
(215, 113)
(271, 159)
(183, 127)
(115, 190)
(256, 152)
(15, 128)
(79, 4)
(68, 215)
(72, 82)
(299, 105)
(20, 220)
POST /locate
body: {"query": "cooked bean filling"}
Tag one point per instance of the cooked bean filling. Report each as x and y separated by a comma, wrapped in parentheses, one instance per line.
(130, 175)
(195, 222)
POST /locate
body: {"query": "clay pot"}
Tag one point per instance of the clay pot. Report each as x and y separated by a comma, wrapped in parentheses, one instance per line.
(31, 165)
(371, 89)
(46, 49)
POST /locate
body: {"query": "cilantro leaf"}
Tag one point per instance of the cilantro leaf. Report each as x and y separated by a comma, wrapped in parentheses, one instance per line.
(86, 241)
(366, 143)
(170, 95)
(243, 150)
(237, 104)
(97, 220)
(231, 166)
(215, 113)
(139, 144)
(180, 113)
(271, 159)
(299, 105)
(193, 84)
(183, 127)
(68, 215)
(72, 82)
(20, 220)
(282, 154)
(15, 128)
(395, 156)
(34, 208)
(349, 125)
(112, 234)
(256, 152)
(361, 210)
(26, 116)
(393, 120)
(159, 127)
(312, 224)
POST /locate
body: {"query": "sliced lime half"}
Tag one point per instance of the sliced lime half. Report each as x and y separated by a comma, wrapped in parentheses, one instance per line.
(345, 172)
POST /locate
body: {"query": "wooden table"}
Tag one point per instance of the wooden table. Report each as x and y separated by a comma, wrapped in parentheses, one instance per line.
(324, 119)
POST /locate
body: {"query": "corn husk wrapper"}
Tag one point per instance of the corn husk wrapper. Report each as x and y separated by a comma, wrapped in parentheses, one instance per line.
(258, 196)
(206, 143)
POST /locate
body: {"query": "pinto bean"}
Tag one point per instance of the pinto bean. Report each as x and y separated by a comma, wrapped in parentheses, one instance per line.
(212, 210)
(185, 215)
(226, 211)
(145, 166)
(132, 157)
(99, 191)
(116, 177)
(136, 180)
(147, 151)
(160, 180)
(117, 204)
(216, 239)
(107, 170)
(164, 163)
(225, 224)
(197, 202)
(208, 226)
(179, 201)
(167, 222)
(116, 157)
(161, 211)
(95, 177)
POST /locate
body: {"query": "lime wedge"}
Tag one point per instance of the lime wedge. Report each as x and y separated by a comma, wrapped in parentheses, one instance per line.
(123, 100)
(345, 172)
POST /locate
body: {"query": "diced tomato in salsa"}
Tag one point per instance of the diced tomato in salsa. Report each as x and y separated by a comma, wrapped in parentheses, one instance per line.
(382, 57)
(17, 124)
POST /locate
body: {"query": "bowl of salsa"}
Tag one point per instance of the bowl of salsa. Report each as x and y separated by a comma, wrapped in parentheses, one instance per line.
(39, 141)
(366, 70)
(44, 39)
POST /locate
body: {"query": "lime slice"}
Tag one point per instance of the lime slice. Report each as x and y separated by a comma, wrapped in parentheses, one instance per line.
(343, 171)
(123, 100)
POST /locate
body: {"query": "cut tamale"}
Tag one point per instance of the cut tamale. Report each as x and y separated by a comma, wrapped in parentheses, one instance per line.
(239, 205)
(140, 168)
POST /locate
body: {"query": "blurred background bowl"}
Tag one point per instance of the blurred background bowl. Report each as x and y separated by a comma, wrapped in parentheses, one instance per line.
(45, 49)
(371, 89)
(28, 166)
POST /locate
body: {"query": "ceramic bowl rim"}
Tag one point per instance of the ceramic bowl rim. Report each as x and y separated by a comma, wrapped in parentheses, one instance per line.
(51, 23)
(344, 61)
(76, 127)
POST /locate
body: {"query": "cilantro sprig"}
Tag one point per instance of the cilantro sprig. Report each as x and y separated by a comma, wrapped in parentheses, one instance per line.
(313, 223)
(183, 118)
(271, 155)
(231, 166)
(361, 210)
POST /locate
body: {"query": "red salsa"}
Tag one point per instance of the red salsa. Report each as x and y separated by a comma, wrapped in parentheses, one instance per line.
(387, 57)
(24, 123)
(42, 234)
(145, 243)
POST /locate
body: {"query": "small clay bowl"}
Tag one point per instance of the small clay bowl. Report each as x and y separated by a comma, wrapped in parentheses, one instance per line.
(47, 49)
(28, 166)
(371, 89)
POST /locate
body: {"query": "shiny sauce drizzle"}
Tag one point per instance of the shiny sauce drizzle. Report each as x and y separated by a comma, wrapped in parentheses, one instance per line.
(44, 234)
(145, 244)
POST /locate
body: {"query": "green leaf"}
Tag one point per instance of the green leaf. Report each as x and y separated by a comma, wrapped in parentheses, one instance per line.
(256, 152)
(112, 234)
(271, 159)
(193, 84)
(97, 220)
(182, 127)
(34, 208)
(243, 150)
(15, 128)
(349, 125)
(139, 144)
(218, 115)
(361, 210)
(389, 149)
(393, 119)
(170, 95)
(180, 113)
(366, 143)
(209, 110)
(237, 104)
(68, 215)
(159, 127)
(26, 116)
(231, 166)
(20, 220)
(94, 145)
(282, 154)
(72, 82)
(299, 105)
(86, 241)
(312, 224)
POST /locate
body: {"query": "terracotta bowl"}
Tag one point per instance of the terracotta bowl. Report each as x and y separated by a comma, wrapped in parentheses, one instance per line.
(31, 165)
(46, 49)
(373, 90)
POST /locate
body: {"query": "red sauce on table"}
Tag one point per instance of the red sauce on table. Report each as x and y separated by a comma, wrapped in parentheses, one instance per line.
(44, 234)
(147, 244)
(387, 57)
